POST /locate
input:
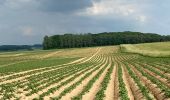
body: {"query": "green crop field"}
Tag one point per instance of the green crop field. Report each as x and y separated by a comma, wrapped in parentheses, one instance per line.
(159, 49)
(94, 73)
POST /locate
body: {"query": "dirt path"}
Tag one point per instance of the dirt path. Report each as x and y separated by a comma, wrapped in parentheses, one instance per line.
(163, 80)
(96, 86)
(134, 88)
(163, 72)
(79, 61)
(110, 89)
(152, 87)
(26, 76)
(75, 91)
(79, 88)
(39, 69)
(130, 94)
(53, 85)
(98, 61)
(99, 49)
(160, 71)
(36, 95)
(116, 84)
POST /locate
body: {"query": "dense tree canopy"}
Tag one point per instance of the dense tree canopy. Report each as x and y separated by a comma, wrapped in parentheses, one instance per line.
(100, 39)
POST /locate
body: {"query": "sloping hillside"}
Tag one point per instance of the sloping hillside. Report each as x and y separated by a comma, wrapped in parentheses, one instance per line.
(159, 49)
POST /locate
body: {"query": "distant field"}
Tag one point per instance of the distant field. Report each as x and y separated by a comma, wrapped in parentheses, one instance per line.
(159, 49)
(95, 73)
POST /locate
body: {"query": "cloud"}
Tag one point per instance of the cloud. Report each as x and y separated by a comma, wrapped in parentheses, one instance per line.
(63, 6)
(115, 9)
(106, 7)
(27, 21)
(2, 2)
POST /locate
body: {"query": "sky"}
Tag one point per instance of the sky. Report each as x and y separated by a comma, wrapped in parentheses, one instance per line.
(28, 21)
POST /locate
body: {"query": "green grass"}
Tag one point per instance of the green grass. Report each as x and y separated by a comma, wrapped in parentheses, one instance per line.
(159, 49)
(33, 64)
(17, 61)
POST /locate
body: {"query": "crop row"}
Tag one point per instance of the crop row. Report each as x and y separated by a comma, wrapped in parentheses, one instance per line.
(90, 83)
(159, 84)
(122, 86)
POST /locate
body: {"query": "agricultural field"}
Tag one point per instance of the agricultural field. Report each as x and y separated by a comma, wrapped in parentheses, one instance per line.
(159, 49)
(96, 73)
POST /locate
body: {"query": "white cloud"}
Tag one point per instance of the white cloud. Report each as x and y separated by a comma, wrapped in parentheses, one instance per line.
(105, 7)
(121, 9)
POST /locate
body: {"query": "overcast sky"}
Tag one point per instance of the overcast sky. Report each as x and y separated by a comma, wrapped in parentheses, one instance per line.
(28, 21)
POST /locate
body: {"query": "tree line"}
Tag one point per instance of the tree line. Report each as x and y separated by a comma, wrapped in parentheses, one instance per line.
(100, 39)
(19, 47)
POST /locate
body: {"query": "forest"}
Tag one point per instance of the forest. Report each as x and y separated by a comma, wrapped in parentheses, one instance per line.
(100, 39)
(19, 47)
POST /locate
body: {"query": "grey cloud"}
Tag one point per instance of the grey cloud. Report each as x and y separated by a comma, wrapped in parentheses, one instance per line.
(28, 22)
(2, 2)
(64, 6)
